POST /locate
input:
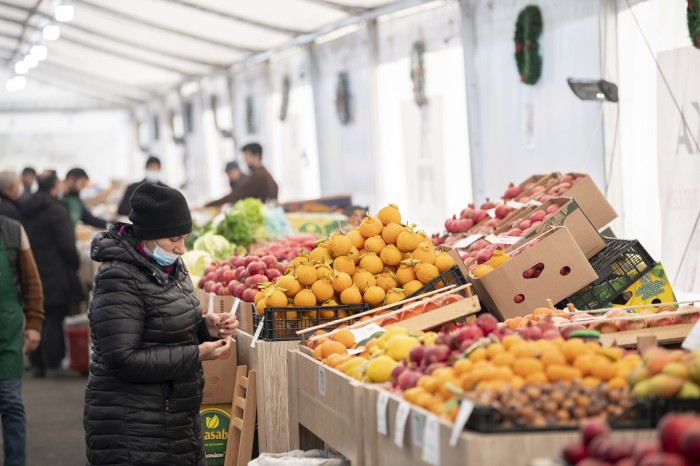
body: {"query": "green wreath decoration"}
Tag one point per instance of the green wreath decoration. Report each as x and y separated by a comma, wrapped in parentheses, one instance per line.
(528, 28)
(694, 22)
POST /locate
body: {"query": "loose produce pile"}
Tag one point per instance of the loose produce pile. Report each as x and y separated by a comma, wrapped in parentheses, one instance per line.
(287, 248)
(240, 276)
(555, 186)
(667, 374)
(481, 220)
(678, 444)
(379, 262)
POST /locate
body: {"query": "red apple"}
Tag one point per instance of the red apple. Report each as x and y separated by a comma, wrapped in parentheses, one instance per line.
(269, 260)
(248, 295)
(690, 443)
(229, 275)
(232, 287)
(537, 216)
(663, 459)
(216, 288)
(272, 274)
(574, 452)
(593, 428)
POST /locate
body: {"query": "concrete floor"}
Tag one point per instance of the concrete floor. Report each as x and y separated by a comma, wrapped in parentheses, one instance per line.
(54, 408)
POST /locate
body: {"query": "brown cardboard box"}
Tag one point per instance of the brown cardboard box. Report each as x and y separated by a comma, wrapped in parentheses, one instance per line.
(592, 201)
(575, 220)
(556, 250)
(219, 378)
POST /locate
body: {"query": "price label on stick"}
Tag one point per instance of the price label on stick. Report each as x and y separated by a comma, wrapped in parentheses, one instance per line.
(515, 204)
(431, 441)
(417, 422)
(258, 331)
(493, 239)
(210, 306)
(692, 341)
(382, 403)
(491, 212)
(466, 407)
(321, 380)
(402, 413)
(466, 242)
(234, 306)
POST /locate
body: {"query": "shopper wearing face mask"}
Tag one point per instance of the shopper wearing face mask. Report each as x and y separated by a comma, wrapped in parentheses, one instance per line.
(153, 175)
(148, 339)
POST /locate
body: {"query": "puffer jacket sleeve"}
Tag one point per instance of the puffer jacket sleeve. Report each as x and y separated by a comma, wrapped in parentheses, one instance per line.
(118, 321)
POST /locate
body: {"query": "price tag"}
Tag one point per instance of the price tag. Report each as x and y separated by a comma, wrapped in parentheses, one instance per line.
(382, 403)
(431, 441)
(493, 239)
(692, 341)
(466, 407)
(515, 204)
(258, 331)
(210, 306)
(321, 380)
(402, 413)
(491, 212)
(534, 202)
(234, 306)
(366, 331)
(355, 351)
(417, 421)
(466, 242)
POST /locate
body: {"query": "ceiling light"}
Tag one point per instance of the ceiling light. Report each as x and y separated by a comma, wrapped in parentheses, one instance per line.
(15, 84)
(30, 61)
(21, 67)
(64, 13)
(52, 32)
(594, 89)
(40, 52)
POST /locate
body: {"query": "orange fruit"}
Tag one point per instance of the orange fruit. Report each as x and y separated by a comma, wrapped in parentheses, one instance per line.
(552, 357)
(617, 382)
(584, 363)
(336, 359)
(429, 383)
(557, 372)
(526, 366)
(525, 350)
(603, 369)
(494, 350)
(511, 340)
(573, 348)
(346, 337)
(537, 377)
(505, 359)
(591, 382)
(517, 382)
(318, 354)
(462, 366)
(331, 347)
(478, 354)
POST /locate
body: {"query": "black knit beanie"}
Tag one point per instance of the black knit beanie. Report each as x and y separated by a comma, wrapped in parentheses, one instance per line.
(159, 212)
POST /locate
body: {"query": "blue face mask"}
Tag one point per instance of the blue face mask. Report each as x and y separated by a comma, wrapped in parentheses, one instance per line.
(161, 256)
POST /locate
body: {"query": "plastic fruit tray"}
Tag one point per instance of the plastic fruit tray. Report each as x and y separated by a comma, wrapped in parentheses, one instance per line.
(282, 323)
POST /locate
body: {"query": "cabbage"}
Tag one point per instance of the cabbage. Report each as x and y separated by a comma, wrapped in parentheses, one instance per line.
(216, 245)
(196, 261)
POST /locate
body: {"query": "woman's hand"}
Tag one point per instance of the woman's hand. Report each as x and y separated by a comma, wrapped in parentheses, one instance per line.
(210, 350)
(221, 325)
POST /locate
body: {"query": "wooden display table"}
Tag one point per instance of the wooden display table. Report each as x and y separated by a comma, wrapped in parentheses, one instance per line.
(325, 404)
(269, 359)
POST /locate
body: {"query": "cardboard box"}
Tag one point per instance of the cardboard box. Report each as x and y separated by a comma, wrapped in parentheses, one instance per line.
(652, 288)
(323, 204)
(328, 403)
(220, 377)
(559, 253)
(216, 422)
(575, 220)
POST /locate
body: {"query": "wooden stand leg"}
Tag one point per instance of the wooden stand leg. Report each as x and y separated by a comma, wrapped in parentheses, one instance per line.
(242, 428)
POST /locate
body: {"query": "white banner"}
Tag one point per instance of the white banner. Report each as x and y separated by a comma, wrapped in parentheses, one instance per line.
(679, 165)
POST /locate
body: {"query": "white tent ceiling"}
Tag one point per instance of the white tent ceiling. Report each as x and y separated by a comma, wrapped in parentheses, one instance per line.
(118, 53)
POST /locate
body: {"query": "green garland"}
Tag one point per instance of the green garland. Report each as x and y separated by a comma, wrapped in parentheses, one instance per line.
(528, 28)
(694, 22)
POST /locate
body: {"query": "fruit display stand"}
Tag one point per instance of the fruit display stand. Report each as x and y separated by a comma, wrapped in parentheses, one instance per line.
(326, 403)
(513, 449)
(269, 359)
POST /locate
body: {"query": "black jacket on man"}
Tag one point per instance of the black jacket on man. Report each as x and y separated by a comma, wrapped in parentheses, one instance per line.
(52, 237)
(9, 208)
(145, 387)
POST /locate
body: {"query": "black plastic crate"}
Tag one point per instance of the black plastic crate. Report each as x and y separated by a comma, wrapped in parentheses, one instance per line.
(453, 276)
(618, 266)
(278, 325)
(663, 406)
(487, 420)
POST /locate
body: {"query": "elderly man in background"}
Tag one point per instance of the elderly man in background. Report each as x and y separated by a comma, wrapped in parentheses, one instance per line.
(9, 195)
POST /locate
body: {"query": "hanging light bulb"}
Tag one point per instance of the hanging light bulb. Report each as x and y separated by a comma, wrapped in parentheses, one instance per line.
(64, 12)
(15, 84)
(21, 67)
(30, 61)
(51, 32)
(40, 52)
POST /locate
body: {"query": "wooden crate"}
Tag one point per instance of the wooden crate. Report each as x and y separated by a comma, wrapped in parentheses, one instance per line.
(517, 449)
(666, 335)
(438, 317)
(328, 404)
(269, 359)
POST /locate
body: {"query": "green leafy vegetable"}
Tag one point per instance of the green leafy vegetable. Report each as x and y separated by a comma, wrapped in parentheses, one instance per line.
(244, 223)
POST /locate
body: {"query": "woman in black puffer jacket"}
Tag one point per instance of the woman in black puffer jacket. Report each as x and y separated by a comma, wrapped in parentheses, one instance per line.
(145, 387)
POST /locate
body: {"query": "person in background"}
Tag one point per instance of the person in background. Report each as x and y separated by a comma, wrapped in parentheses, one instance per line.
(52, 238)
(21, 314)
(28, 179)
(258, 184)
(152, 176)
(235, 176)
(148, 339)
(76, 180)
(9, 195)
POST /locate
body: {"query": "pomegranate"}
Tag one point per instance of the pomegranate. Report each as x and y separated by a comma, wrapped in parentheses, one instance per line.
(502, 211)
(489, 204)
(512, 192)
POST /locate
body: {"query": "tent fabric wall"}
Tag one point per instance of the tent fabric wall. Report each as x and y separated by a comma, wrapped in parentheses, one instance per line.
(536, 129)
